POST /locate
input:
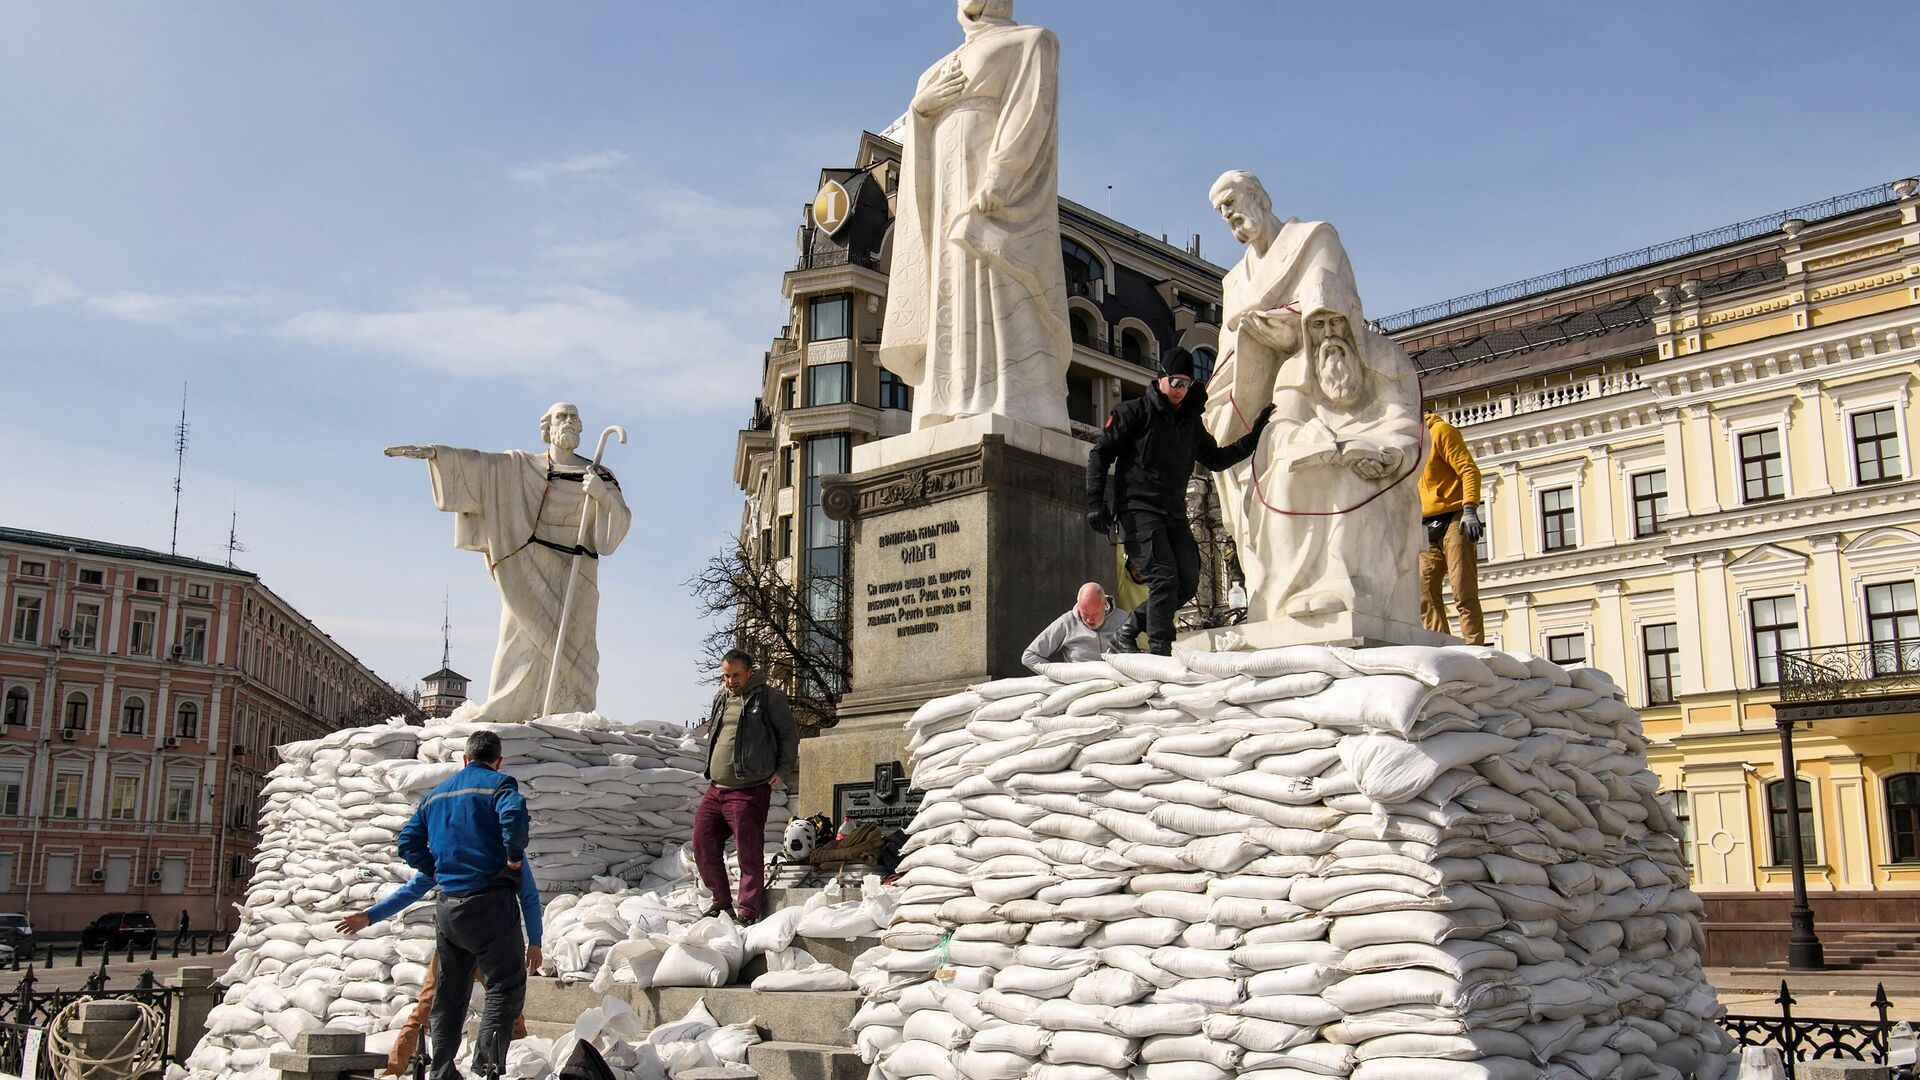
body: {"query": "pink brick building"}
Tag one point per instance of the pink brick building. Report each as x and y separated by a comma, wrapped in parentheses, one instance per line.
(141, 695)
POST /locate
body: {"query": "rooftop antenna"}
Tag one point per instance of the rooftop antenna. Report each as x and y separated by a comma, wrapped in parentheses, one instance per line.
(1109, 200)
(233, 535)
(179, 466)
(446, 634)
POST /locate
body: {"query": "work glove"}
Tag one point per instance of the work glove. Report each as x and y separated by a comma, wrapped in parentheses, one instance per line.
(1470, 526)
(1260, 422)
(1099, 520)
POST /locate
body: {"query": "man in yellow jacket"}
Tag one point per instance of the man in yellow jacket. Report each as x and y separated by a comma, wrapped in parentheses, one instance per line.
(1450, 510)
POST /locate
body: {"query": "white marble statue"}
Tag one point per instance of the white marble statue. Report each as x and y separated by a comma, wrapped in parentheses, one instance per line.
(977, 297)
(1326, 514)
(523, 512)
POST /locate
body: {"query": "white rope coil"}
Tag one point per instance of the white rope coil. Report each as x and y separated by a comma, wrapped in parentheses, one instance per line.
(135, 1055)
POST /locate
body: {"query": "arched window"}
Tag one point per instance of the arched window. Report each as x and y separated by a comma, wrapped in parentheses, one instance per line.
(76, 714)
(133, 717)
(187, 720)
(1134, 347)
(1084, 269)
(1777, 819)
(1903, 817)
(19, 706)
(1082, 325)
(1203, 361)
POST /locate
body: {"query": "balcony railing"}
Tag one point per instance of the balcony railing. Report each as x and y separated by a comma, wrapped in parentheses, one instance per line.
(1540, 399)
(820, 260)
(1853, 670)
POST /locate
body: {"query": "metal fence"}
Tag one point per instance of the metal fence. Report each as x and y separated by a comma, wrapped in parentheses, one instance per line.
(1646, 256)
(1855, 669)
(1801, 1037)
(29, 1008)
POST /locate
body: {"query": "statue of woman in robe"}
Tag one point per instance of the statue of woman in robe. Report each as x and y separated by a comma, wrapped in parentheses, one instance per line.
(977, 297)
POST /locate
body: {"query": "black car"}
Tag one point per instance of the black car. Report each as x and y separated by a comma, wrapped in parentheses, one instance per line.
(118, 929)
(16, 932)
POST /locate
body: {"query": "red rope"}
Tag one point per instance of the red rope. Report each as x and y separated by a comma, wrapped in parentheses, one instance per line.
(1260, 493)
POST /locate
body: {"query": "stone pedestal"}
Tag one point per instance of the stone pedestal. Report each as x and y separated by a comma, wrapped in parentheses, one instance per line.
(196, 998)
(326, 1054)
(1835, 1069)
(1343, 628)
(967, 540)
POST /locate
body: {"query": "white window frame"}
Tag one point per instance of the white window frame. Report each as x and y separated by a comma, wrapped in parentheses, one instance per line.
(1893, 391)
(80, 795)
(199, 722)
(153, 631)
(39, 620)
(206, 633)
(177, 782)
(1547, 637)
(33, 568)
(1796, 591)
(146, 714)
(105, 577)
(16, 770)
(99, 618)
(66, 699)
(113, 791)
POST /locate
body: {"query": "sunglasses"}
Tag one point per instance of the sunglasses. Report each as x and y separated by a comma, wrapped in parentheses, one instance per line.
(1179, 382)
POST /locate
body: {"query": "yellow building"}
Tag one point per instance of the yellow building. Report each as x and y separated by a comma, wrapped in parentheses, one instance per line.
(1699, 474)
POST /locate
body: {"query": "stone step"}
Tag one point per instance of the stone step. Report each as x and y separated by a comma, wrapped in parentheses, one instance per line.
(776, 1060)
(838, 952)
(724, 1072)
(817, 1017)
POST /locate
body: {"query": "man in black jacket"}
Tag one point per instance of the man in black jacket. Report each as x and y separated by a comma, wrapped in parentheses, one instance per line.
(1152, 443)
(752, 747)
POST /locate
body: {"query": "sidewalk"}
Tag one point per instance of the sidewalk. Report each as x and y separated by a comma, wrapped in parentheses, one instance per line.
(1817, 995)
(120, 974)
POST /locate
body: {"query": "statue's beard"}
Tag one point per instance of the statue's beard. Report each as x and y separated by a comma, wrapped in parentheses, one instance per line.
(1242, 227)
(1339, 375)
(565, 439)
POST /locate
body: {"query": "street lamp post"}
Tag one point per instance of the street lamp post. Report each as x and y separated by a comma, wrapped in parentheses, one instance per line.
(1803, 944)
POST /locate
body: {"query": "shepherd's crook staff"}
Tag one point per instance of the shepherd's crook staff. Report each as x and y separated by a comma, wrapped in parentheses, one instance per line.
(573, 569)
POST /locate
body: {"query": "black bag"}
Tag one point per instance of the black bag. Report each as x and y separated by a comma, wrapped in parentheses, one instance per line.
(586, 1064)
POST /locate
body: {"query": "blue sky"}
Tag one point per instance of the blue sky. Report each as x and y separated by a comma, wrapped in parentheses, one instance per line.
(347, 225)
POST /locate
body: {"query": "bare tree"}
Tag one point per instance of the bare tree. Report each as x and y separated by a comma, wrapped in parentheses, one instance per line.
(381, 704)
(797, 631)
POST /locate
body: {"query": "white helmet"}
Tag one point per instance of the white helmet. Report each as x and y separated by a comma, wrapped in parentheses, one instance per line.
(797, 844)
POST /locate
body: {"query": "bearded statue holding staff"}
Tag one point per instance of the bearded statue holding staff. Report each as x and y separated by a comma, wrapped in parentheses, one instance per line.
(977, 296)
(542, 521)
(1325, 516)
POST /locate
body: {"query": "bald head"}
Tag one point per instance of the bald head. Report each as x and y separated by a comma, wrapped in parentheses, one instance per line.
(1242, 201)
(1091, 604)
(560, 427)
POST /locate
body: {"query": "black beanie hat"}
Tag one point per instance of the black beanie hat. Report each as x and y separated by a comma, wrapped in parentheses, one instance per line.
(1176, 361)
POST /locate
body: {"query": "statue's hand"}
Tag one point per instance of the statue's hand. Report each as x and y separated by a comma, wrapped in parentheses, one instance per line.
(596, 486)
(424, 453)
(1278, 329)
(944, 90)
(989, 203)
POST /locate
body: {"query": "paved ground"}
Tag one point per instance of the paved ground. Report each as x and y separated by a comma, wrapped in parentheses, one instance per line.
(119, 973)
(1838, 997)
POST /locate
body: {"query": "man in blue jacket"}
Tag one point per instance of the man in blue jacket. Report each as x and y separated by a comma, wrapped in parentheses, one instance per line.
(470, 834)
(400, 1058)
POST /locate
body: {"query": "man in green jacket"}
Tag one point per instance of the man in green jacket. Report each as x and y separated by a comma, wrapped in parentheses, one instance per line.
(752, 747)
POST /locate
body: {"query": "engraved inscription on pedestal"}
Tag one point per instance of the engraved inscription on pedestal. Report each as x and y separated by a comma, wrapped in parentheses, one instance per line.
(887, 800)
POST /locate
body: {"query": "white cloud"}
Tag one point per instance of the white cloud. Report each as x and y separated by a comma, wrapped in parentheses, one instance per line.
(38, 286)
(585, 333)
(539, 172)
(162, 309)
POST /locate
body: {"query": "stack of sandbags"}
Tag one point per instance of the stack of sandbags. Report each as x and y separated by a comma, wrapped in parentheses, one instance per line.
(1385, 864)
(327, 850)
(606, 799)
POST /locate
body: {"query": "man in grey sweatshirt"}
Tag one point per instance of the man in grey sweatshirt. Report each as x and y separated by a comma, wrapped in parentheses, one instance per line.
(1083, 633)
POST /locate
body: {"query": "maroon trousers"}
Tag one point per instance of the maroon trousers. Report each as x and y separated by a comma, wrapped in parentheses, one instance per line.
(742, 814)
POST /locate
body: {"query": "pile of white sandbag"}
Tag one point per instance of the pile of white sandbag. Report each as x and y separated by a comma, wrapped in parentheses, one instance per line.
(695, 1041)
(606, 799)
(327, 850)
(1298, 863)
